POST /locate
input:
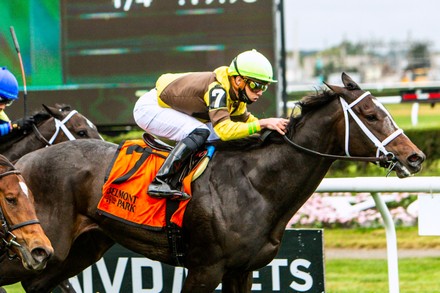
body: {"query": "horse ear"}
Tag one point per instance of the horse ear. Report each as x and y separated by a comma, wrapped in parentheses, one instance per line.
(54, 112)
(349, 83)
(337, 89)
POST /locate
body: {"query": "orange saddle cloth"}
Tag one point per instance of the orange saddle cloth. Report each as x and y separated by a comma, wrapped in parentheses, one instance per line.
(124, 193)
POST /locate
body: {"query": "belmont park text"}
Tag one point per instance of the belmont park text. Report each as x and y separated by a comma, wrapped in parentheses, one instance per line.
(121, 198)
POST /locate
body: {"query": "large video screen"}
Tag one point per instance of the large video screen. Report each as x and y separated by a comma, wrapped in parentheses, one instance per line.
(98, 55)
(136, 41)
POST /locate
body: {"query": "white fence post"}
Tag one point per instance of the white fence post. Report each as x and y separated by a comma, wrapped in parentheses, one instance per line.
(390, 230)
(375, 185)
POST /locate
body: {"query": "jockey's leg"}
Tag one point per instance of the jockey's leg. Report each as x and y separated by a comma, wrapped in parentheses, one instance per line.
(161, 186)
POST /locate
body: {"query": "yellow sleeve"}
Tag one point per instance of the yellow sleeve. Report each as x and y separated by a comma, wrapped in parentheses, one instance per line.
(251, 118)
(229, 130)
(4, 117)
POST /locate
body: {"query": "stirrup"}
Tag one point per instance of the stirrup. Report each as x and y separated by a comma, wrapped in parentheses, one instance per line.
(158, 191)
(175, 195)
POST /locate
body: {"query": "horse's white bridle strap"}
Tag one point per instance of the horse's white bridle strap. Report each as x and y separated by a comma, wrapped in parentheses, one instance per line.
(61, 125)
(347, 109)
(358, 99)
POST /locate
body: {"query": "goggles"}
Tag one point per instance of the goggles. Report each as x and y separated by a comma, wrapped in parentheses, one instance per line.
(5, 101)
(256, 86)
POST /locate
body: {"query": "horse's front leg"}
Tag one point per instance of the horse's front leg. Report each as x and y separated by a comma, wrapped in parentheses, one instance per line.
(237, 283)
(202, 279)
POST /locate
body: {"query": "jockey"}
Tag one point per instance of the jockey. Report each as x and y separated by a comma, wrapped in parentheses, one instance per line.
(194, 107)
(8, 94)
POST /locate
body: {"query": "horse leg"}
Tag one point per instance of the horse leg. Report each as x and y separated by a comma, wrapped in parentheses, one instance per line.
(237, 283)
(202, 280)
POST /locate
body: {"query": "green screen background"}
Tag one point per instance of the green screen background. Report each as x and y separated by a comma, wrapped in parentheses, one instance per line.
(98, 58)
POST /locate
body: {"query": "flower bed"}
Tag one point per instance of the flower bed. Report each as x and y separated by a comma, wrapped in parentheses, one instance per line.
(344, 210)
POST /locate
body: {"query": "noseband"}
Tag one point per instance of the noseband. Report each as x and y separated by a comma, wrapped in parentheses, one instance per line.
(59, 125)
(387, 159)
(6, 229)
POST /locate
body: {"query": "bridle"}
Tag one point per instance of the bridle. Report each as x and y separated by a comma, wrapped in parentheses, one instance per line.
(347, 109)
(6, 229)
(59, 125)
(386, 159)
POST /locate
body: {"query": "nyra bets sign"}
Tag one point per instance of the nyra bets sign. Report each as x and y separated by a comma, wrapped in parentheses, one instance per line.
(298, 267)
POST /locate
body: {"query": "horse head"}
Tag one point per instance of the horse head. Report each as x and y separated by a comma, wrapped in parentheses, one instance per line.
(21, 234)
(52, 125)
(364, 116)
(69, 124)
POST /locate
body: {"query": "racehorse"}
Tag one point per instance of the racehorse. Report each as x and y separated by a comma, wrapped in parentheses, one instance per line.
(21, 235)
(52, 125)
(240, 205)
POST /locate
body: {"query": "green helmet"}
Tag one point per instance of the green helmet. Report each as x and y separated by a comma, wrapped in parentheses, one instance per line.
(252, 64)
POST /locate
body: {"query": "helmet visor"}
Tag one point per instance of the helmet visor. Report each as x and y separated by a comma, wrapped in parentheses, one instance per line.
(257, 86)
(5, 101)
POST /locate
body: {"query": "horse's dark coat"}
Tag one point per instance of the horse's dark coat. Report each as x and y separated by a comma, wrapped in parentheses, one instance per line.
(240, 206)
(15, 146)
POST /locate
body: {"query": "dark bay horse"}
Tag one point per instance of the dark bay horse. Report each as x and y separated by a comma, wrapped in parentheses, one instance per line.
(21, 235)
(240, 206)
(52, 125)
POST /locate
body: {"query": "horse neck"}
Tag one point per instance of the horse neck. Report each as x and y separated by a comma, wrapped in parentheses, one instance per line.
(29, 142)
(302, 172)
(287, 177)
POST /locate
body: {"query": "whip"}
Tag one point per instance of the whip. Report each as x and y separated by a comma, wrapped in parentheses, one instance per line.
(17, 48)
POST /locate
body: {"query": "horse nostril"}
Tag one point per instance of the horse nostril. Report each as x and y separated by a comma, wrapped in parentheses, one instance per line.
(40, 254)
(415, 159)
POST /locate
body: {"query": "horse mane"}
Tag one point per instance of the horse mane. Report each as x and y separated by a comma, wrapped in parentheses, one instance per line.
(305, 105)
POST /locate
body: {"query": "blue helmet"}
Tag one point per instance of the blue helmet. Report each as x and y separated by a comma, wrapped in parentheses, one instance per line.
(8, 85)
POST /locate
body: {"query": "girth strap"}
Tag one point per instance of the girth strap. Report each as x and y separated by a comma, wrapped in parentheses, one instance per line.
(174, 233)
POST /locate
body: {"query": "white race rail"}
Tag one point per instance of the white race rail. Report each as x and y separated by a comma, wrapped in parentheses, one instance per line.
(375, 185)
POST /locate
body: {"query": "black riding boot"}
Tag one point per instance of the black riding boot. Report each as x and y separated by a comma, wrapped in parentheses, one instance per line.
(161, 186)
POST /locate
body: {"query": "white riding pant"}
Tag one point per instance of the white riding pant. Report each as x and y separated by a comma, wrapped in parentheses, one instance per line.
(166, 122)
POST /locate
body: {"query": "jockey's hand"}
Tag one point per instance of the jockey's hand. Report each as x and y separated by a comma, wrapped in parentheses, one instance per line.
(278, 124)
(24, 123)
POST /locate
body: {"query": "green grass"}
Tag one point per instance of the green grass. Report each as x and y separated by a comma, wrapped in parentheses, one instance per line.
(419, 275)
(407, 238)
(428, 116)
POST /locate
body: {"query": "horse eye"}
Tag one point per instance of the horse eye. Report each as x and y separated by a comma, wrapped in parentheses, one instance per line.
(371, 118)
(82, 133)
(12, 200)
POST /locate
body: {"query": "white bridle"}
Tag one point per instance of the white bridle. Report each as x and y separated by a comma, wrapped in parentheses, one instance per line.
(347, 109)
(60, 125)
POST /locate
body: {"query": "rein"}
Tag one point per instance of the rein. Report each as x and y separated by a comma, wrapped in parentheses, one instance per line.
(387, 159)
(59, 125)
(382, 159)
(6, 229)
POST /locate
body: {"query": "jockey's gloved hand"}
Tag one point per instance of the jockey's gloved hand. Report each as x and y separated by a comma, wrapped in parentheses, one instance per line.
(24, 123)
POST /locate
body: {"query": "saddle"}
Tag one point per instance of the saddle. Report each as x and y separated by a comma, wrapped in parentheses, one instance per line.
(124, 193)
(199, 160)
(156, 143)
